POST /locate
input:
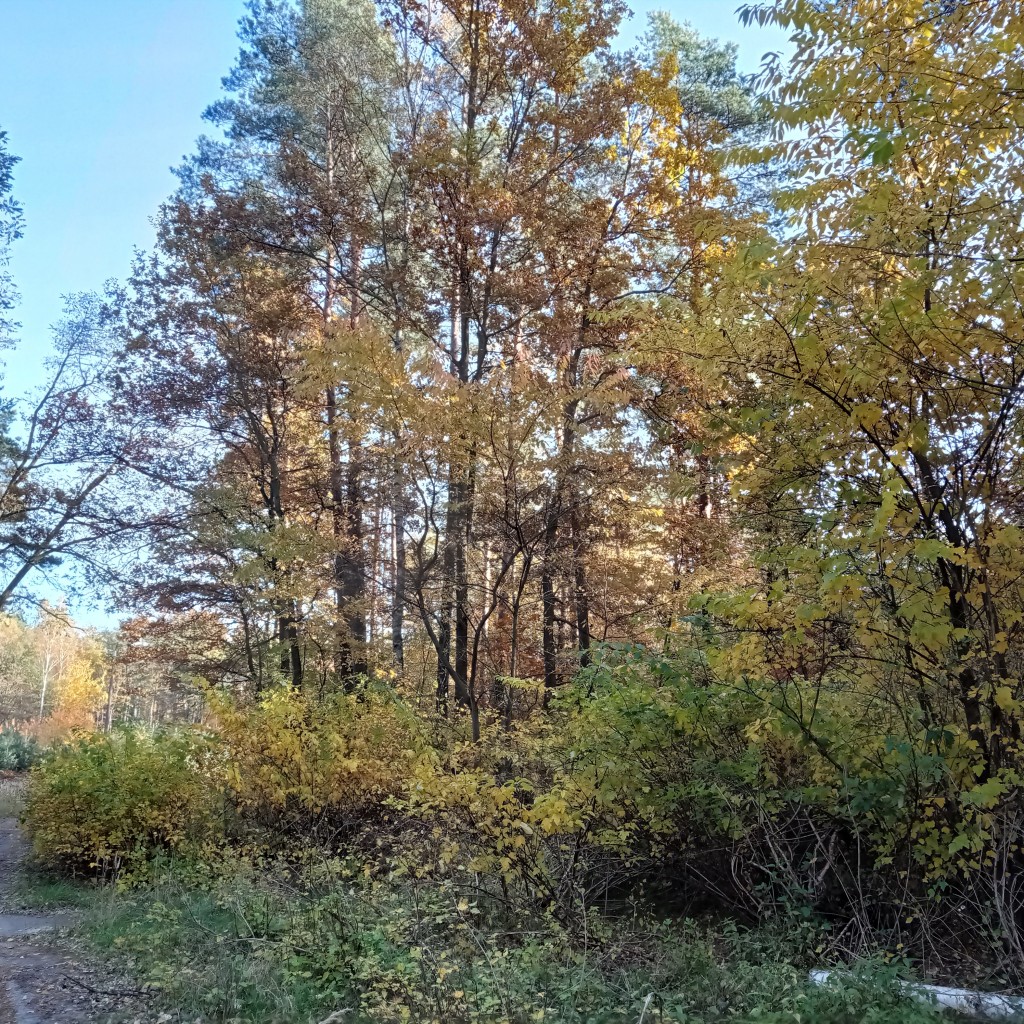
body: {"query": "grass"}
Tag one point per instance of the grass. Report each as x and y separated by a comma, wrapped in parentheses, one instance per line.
(40, 890)
(244, 946)
(189, 948)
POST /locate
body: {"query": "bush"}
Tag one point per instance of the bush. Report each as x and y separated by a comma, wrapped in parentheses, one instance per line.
(786, 796)
(18, 752)
(292, 760)
(283, 765)
(110, 801)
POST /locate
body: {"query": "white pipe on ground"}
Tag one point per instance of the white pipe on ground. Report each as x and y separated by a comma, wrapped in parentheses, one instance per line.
(960, 1000)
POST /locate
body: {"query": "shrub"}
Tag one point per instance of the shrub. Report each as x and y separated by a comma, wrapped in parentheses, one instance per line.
(642, 768)
(110, 801)
(18, 752)
(292, 759)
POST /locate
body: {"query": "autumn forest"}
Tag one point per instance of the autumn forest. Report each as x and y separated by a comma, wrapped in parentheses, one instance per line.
(560, 504)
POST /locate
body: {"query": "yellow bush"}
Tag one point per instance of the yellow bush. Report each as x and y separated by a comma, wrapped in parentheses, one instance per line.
(290, 751)
(107, 801)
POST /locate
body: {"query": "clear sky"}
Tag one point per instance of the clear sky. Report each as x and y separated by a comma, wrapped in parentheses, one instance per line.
(101, 98)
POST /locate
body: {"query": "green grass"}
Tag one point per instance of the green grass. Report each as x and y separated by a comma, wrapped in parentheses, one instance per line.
(250, 946)
(43, 891)
(189, 949)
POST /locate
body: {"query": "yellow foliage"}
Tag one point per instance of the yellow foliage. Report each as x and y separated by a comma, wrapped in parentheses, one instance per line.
(292, 751)
(80, 695)
(105, 802)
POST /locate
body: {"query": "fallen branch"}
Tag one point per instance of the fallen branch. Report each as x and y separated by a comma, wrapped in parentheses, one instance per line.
(133, 994)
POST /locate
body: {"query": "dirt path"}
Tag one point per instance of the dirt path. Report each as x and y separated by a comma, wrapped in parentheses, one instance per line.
(43, 980)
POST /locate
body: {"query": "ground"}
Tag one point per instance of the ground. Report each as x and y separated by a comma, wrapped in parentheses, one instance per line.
(44, 977)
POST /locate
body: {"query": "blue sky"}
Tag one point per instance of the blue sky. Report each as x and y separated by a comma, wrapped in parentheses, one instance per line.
(101, 98)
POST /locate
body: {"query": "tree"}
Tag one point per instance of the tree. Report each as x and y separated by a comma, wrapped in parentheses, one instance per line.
(19, 693)
(65, 466)
(401, 310)
(11, 226)
(54, 641)
(873, 364)
(281, 207)
(65, 452)
(50, 672)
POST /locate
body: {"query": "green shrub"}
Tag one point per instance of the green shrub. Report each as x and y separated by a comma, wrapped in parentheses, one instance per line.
(110, 801)
(18, 752)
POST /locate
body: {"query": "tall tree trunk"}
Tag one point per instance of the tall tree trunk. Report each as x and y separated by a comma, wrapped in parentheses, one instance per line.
(285, 608)
(954, 579)
(549, 566)
(291, 654)
(444, 630)
(549, 602)
(463, 527)
(346, 505)
(342, 655)
(463, 491)
(353, 577)
(47, 664)
(581, 598)
(398, 562)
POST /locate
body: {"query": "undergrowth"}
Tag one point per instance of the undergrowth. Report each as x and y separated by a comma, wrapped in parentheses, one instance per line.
(281, 943)
(308, 856)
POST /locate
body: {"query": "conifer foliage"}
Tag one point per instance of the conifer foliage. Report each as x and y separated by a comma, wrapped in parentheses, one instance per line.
(398, 303)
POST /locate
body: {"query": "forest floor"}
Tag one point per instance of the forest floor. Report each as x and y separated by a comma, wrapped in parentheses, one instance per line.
(45, 978)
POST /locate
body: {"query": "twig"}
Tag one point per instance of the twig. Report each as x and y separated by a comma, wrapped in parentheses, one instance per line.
(134, 993)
